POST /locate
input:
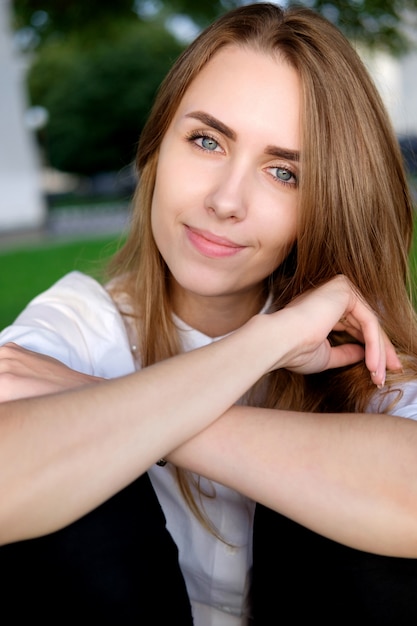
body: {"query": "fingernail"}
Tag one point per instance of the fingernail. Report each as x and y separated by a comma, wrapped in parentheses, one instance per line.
(381, 385)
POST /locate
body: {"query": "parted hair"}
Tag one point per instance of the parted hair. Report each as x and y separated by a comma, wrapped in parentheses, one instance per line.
(355, 210)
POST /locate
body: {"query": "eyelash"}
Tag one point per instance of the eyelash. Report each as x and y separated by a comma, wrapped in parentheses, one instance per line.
(196, 134)
(286, 183)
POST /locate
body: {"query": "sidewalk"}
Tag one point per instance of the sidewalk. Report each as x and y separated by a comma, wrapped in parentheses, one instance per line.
(71, 222)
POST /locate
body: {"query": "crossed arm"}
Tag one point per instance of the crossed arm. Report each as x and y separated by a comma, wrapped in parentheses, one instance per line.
(350, 477)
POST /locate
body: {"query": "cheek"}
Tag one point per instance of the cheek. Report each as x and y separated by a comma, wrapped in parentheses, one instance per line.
(166, 212)
(280, 231)
(277, 245)
(154, 221)
(161, 197)
(158, 210)
(278, 252)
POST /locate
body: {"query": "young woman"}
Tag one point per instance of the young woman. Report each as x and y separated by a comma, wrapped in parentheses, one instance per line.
(270, 180)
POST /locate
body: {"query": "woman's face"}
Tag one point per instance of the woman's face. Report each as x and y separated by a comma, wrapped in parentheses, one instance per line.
(224, 208)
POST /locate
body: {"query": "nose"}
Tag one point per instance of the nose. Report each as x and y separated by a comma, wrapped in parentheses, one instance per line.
(228, 196)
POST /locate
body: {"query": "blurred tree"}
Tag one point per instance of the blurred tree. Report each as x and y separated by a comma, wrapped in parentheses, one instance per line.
(56, 18)
(374, 22)
(377, 23)
(98, 97)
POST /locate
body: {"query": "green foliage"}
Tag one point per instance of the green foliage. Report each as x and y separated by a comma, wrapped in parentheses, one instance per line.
(50, 18)
(98, 97)
(375, 22)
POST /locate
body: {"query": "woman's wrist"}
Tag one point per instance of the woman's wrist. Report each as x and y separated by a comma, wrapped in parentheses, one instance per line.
(277, 336)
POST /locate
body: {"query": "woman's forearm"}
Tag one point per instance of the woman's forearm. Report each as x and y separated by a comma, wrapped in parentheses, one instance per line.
(62, 454)
(350, 477)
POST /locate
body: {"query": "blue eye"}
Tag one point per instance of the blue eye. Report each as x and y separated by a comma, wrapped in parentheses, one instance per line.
(283, 174)
(204, 141)
(209, 144)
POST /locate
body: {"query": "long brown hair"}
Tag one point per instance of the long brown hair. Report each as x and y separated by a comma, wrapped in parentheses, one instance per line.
(355, 209)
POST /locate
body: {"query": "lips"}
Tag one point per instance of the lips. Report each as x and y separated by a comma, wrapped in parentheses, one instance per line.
(212, 245)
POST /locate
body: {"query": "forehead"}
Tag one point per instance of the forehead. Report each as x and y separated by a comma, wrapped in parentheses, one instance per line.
(240, 85)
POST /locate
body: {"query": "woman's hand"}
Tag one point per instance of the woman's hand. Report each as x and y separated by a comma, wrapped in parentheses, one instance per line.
(24, 373)
(335, 305)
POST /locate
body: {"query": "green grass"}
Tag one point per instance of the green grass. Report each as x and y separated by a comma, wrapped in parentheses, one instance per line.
(26, 271)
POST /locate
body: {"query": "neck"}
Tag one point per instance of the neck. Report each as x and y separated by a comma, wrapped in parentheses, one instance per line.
(217, 315)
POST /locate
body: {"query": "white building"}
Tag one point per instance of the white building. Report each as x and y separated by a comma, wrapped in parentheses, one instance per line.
(396, 79)
(21, 201)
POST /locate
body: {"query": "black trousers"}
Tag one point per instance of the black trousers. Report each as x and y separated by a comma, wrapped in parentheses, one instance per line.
(117, 565)
(298, 574)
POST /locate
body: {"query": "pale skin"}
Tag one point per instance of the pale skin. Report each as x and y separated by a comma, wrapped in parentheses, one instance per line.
(351, 477)
(224, 211)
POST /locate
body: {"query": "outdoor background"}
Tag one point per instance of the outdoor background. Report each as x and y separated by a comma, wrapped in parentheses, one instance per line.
(78, 78)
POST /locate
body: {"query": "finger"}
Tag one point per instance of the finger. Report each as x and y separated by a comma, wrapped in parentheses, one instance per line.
(380, 355)
(393, 360)
(388, 358)
(345, 354)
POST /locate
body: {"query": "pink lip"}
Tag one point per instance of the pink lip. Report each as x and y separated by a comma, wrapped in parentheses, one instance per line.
(211, 245)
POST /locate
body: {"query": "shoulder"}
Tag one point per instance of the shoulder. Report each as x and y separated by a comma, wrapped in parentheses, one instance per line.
(77, 322)
(75, 297)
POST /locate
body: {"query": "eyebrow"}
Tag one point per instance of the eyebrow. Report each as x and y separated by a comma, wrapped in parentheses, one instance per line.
(283, 153)
(209, 120)
(213, 123)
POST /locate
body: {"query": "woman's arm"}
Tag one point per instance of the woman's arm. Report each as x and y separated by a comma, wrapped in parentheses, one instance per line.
(63, 454)
(350, 477)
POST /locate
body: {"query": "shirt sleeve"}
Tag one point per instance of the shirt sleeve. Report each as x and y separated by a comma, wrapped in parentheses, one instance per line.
(404, 398)
(76, 322)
